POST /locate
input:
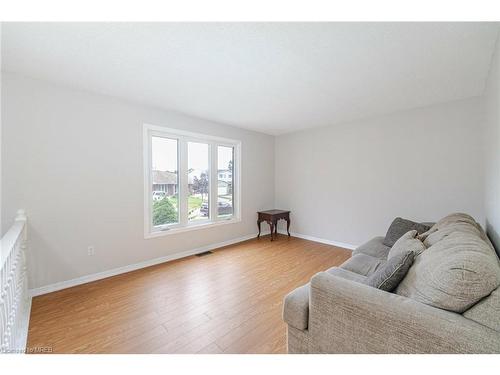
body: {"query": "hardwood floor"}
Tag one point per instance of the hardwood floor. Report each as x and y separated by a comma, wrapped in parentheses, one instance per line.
(226, 302)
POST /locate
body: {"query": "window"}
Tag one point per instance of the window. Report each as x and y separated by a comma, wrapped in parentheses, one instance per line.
(191, 181)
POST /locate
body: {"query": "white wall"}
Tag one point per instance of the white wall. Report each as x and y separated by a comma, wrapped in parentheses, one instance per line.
(347, 182)
(63, 150)
(74, 159)
(492, 165)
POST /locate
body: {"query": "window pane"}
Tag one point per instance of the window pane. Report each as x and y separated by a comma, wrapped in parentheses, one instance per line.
(198, 181)
(165, 184)
(225, 181)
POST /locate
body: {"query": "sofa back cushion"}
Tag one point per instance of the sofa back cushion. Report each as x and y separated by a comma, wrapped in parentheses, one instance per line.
(453, 274)
(445, 231)
(448, 220)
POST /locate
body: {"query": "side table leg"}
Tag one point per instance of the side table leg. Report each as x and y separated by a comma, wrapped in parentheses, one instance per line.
(271, 224)
(258, 226)
(288, 226)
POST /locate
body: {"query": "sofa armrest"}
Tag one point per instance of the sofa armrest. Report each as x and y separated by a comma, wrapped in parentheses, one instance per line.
(296, 307)
(350, 317)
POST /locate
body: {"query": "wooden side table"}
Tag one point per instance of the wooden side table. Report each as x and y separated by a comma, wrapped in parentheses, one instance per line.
(272, 217)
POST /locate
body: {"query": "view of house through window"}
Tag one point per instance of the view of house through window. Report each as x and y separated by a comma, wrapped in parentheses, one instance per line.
(165, 181)
(225, 157)
(198, 181)
(190, 180)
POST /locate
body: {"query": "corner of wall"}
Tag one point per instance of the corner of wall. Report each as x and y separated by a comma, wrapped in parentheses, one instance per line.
(491, 133)
(275, 167)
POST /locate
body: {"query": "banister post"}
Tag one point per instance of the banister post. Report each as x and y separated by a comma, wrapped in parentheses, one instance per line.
(20, 215)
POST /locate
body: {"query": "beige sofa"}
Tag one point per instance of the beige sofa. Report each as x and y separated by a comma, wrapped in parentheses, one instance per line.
(337, 313)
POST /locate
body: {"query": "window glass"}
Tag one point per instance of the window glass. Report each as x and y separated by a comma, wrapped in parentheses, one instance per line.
(225, 181)
(198, 181)
(165, 181)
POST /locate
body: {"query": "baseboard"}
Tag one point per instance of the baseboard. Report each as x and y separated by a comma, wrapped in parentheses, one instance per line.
(320, 240)
(147, 263)
(132, 267)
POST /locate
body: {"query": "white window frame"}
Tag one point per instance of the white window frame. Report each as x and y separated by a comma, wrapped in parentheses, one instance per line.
(183, 137)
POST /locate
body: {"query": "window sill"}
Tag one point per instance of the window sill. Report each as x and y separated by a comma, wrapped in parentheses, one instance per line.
(161, 233)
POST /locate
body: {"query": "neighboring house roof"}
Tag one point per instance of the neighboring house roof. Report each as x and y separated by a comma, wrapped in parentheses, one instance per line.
(167, 178)
(164, 177)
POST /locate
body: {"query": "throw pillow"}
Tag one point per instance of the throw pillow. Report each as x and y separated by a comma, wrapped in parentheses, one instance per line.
(401, 226)
(408, 242)
(392, 272)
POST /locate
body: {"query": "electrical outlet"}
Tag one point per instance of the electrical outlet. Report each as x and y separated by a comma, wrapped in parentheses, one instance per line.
(90, 250)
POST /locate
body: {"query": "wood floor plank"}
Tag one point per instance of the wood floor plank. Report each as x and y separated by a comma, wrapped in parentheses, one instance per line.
(227, 302)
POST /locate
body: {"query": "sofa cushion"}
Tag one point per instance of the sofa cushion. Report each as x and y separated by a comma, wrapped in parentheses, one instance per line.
(296, 307)
(447, 220)
(375, 248)
(400, 226)
(445, 231)
(408, 242)
(348, 275)
(388, 276)
(453, 274)
(362, 264)
(457, 217)
(487, 311)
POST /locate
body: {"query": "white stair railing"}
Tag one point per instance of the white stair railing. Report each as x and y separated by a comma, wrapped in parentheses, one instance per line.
(15, 301)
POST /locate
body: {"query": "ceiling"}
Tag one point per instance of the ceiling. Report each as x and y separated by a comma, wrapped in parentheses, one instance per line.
(269, 77)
